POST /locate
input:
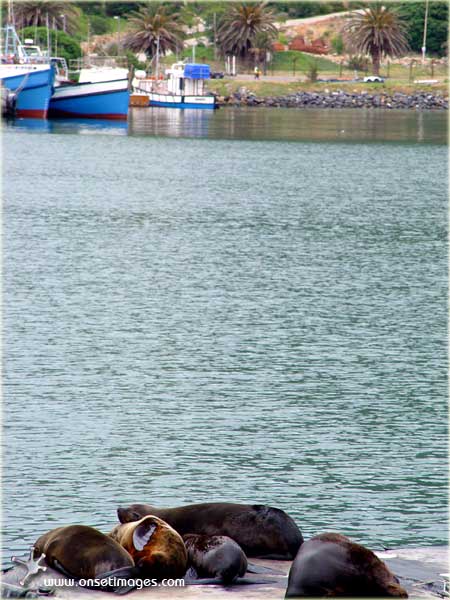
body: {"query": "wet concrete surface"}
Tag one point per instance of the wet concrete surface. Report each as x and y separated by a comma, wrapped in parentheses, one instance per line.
(419, 570)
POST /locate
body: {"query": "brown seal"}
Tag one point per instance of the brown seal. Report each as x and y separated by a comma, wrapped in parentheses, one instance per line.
(330, 564)
(261, 531)
(157, 549)
(216, 556)
(83, 552)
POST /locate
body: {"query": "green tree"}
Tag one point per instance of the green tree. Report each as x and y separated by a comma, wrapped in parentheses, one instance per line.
(337, 43)
(121, 8)
(300, 10)
(413, 15)
(262, 46)
(377, 31)
(67, 47)
(62, 15)
(99, 25)
(151, 27)
(313, 71)
(241, 25)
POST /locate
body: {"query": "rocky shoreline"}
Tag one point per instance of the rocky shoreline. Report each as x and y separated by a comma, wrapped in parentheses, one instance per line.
(339, 99)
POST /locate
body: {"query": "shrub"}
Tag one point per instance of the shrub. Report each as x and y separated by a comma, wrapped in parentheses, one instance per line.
(133, 61)
(68, 47)
(358, 63)
(312, 71)
(337, 43)
(99, 25)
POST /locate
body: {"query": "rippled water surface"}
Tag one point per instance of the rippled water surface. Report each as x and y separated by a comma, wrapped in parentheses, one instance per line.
(205, 319)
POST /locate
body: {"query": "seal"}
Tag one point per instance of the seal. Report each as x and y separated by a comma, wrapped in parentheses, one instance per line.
(82, 552)
(330, 564)
(261, 531)
(215, 556)
(157, 549)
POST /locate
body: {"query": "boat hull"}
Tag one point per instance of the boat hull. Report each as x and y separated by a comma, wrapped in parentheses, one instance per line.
(34, 87)
(174, 101)
(99, 100)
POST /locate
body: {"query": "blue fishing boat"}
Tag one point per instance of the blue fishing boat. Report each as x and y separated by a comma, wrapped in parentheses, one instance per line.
(28, 81)
(102, 92)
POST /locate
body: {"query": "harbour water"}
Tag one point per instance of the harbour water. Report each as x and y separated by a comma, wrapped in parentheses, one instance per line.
(242, 306)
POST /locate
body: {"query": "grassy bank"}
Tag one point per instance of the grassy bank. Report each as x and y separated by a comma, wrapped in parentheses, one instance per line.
(226, 87)
(298, 64)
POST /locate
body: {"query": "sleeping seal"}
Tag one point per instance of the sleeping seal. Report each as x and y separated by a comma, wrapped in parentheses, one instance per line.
(82, 552)
(330, 564)
(215, 556)
(261, 531)
(157, 549)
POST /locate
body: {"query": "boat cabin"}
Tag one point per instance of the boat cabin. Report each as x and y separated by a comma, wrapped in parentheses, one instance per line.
(187, 79)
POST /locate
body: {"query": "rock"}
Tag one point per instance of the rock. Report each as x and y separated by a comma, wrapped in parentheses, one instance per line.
(339, 99)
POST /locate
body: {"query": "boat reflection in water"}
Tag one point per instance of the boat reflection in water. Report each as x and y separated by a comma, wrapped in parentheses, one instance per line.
(291, 124)
(80, 126)
(274, 124)
(170, 122)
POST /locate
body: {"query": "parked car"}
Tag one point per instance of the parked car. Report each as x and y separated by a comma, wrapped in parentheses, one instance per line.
(373, 79)
(216, 75)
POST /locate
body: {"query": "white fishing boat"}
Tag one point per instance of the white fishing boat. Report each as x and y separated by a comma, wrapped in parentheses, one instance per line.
(183, 87)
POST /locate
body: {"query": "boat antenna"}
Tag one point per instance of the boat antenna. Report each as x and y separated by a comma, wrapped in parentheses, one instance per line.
(48, 36)
(10, 13)
(55, 33)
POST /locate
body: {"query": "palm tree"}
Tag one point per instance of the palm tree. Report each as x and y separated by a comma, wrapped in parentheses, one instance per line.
(237, 34)
(153, 27)
(62, 15)
(377, 31)
(262, 46)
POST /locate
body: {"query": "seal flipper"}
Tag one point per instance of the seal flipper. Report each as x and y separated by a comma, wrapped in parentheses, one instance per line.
(142, 534)
(238, 581)
(203, 581)
(130, 572)
(275, 556)
(59, 567)
(191, 575)
(123, 573)
(259, 569)
(249, 581)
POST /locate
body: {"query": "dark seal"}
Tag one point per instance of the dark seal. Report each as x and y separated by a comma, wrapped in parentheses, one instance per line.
(330, 564)
(215, 556)
(261, 531)
(82, 552)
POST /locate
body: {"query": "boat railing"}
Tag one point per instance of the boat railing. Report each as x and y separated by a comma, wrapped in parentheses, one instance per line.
(98, 61)
(60, 63)
(152, 85)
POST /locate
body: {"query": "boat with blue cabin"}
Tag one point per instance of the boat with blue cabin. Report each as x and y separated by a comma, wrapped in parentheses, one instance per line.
(27, 80)
(183, 87)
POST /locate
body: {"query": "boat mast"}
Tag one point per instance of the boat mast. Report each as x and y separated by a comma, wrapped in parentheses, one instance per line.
(10, 43)
(157, 59)
(10, 13)
(9, 37)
